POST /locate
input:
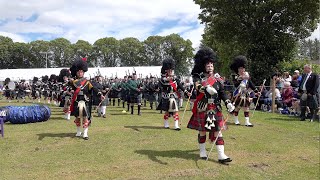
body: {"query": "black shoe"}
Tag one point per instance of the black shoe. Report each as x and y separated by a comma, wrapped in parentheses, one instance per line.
(86, 138)
(223, 161)
(251, 125)
(238, 124)
(204, 158)
(177, 129)
(104, 116)
(303, 119)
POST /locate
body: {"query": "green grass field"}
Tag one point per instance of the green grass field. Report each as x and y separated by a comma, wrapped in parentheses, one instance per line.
(125, 146)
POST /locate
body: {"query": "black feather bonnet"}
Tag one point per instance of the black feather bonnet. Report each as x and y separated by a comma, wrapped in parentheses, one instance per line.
(167, 64)
(203, 57)
(63, 72)
(238, 61)
(78, 64)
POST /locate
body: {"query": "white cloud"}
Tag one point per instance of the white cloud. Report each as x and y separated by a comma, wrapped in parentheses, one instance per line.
(94, 19)
(14, 37)
(177, 30)
(315, 34)
(194, 35)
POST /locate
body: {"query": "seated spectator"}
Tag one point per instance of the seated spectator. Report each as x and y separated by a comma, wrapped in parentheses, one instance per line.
(287, 95)
(295, 82)
(299, 77)
(287, 77)
(268, 100)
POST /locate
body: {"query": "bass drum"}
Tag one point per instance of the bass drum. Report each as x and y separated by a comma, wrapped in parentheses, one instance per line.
(11, 85)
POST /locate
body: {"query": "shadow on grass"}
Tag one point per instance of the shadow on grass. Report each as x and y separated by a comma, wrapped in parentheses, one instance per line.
(54, 135)
(137, 128)
(183, 154)
(284, 118)
(118, 114)
(57, 118)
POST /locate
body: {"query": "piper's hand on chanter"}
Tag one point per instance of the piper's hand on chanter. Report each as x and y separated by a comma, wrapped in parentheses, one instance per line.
(230, 107)
(258, 94)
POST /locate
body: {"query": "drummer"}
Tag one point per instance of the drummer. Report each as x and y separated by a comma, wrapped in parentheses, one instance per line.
(9, 87)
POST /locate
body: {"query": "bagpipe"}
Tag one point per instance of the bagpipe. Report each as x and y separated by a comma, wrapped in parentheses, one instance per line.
(242, 88)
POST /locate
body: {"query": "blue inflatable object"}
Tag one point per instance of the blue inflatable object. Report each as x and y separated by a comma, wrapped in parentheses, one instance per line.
(26, 114)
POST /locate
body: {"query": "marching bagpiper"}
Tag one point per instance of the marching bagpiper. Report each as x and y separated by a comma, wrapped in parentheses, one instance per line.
(135, 93)
(207, 110)
(66, 92)
(245, 89)
(101, 105)
(9, 87)
(36, 89)
(81, 99)
(170, 85)
(152, 90)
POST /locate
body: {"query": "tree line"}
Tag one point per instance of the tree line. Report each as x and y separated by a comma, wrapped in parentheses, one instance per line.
(266, 32)
(105, 52)
(309, 50)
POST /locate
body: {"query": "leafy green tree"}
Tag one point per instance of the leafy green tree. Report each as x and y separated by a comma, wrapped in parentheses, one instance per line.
(39, 53)
(180, 50)
(20, 55)
(6, 46)
(82, 48)
(106, 51)
(62, 53)
(131, 52)
(297, 64)
(264, 31)
(153, 50)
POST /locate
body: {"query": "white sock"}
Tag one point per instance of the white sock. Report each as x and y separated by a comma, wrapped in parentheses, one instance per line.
(166, 123)
(78, 131)
(221, 155)
(236, 120)
(103, 110)
(247, 121)
(68, 116)
(85, 132)
(176, 124)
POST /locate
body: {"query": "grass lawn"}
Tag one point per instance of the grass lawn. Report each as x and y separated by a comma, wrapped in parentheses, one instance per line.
(125, 146)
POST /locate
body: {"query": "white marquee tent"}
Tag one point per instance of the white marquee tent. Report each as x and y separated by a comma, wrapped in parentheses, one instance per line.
(120, 72)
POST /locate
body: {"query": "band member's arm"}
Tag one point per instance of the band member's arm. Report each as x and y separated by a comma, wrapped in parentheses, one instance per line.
(252, 86)
(94, 89)
(131, 86)
(222, 95)
(235, 80)
(180, 86)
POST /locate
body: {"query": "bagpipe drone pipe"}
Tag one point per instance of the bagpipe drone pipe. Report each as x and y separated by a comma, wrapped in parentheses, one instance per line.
(25, 114)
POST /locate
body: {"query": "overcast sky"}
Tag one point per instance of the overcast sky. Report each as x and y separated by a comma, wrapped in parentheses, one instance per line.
(29, 20)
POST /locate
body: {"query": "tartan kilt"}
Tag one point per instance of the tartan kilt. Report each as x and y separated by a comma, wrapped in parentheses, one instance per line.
(164, 104)
(152, 97)
(134, 98)
(123, 95)
(113, 94)
(198, 121)
(311, 102)
(85, 111)
(7, 93)
(239, 103)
